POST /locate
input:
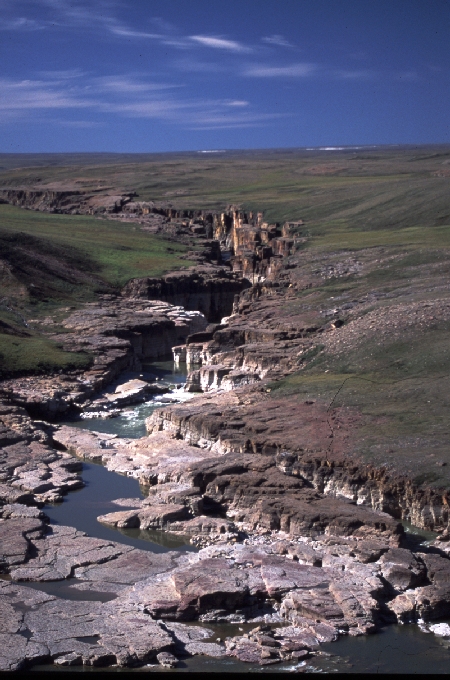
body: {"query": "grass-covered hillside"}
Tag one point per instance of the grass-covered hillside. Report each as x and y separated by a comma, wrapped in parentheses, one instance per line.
(49, 261)
(370, 187)
(103, 252)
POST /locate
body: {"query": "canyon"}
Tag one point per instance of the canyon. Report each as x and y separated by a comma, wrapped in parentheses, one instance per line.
(290, 468)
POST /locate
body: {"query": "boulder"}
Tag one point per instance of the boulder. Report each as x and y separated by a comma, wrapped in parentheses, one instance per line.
(401, 569)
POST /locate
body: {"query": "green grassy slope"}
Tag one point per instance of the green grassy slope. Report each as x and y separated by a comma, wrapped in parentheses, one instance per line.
(379, 188)
(115, 252)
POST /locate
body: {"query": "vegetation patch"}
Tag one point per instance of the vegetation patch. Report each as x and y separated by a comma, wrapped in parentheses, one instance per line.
(36, 355)
(111, 252)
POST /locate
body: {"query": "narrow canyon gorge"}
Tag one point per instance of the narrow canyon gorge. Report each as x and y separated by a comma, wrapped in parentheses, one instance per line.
(300, 521)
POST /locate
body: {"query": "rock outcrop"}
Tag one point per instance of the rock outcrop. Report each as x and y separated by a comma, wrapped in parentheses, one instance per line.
(209, 289)
(134, 607)
(119, 334)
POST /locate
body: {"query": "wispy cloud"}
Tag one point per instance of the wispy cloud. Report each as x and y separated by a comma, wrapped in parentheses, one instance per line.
(122, 95)
(62, 75)
(100, 14)
(302, 70)
(220, 43)
(35, 94)
(79, 124)
(219, 121)
(237, 102)
(78, 13)
(361, 74)
(21, 24)
(130, 33)
(278, 40)
(128, 85)
(189, 65)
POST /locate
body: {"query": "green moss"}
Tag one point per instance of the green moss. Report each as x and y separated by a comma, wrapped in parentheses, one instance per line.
(34, 355)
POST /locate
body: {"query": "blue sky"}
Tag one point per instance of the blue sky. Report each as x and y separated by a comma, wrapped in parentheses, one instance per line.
(178, 75)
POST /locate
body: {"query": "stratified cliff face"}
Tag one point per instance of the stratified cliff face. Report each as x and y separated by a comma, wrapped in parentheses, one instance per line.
(208, 289)
(253, 251)
(302, 441)
(119, 336)
(253, 248)
(69, 201)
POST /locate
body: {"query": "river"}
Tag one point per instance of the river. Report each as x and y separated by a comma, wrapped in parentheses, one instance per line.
(394, 649)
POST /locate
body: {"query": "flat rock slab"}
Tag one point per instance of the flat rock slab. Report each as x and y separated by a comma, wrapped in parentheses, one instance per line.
(150, 460)
(15, 545)
(101, 634)
(129, 568)
(151, 517)
(60, 552)
(156, 594)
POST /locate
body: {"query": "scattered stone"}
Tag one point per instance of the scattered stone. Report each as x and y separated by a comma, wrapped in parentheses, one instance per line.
(167, 660)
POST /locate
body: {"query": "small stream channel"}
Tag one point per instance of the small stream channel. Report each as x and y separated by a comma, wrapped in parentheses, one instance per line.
(395, 649)
(81, 508)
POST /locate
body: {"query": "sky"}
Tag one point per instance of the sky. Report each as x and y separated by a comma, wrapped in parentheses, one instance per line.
(178, 75)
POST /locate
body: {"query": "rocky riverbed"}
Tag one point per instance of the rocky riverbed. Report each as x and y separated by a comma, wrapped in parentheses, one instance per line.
(302, 568)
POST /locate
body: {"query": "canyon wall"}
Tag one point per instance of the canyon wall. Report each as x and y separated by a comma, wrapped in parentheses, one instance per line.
(209, 290)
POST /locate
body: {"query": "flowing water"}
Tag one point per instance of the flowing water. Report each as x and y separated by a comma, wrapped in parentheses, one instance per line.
(131, 421)
(395, 649)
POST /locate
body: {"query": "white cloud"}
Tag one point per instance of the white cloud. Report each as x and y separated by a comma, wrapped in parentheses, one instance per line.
(220, 43)
(179, 43)
(21, 24)
(218, 121)
(277, 40)
(120, 95)
(127, 85)
(98, 15)
(237, 102)
(129, 33)
(35, 94)
(292, 71)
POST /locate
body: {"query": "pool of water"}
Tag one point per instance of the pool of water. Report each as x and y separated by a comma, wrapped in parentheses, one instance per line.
(395, 649)
(81, 508)
(415, 537)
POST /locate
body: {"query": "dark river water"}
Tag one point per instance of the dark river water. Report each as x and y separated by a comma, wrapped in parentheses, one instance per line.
(395, 649)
